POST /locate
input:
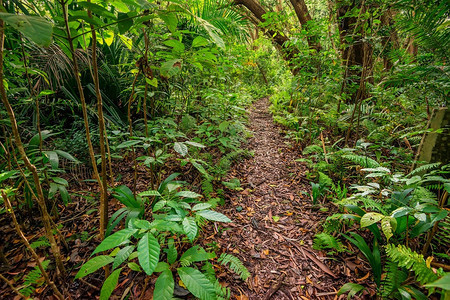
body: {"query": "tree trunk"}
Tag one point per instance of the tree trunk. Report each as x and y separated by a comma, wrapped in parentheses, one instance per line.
(356, 56)
(389, 40)
(301, 10)
(279, 39)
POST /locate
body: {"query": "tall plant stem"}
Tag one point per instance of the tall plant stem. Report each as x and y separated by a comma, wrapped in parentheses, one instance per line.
(33, 195)
(130, 129)
(102, 131)
(29, 248)
(85, 117)
(18, 141)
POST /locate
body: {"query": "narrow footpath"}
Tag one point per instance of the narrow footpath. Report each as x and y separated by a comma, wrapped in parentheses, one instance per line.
(274, 222)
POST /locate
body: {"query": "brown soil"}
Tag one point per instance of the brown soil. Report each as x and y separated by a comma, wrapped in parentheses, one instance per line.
(274, 231)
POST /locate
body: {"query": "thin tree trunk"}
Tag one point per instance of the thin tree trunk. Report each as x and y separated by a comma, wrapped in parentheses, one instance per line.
(102, 132)
(15, 130)
(85, 117)
(301, 10)
(280, 40)
(29, 248)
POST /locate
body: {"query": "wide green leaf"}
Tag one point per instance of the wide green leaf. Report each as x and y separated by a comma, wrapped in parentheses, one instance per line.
(148, 252)
(149, 193)
(164, 286)
(443, 283)
(201, 206)
(38, 29)
(181, 148)
(93, 265)
(188, 194)
(190, 228)
(199, 42)
(213, 216)
(110, 284)
(115, 240)
(122, 255)
(370, 218)
(195, 254)
(197, 283)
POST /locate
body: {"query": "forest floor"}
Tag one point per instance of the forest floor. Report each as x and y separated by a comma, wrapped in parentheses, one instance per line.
(274, 223)
(272, 230)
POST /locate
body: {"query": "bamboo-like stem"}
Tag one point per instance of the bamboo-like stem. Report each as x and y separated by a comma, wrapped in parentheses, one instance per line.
(33, 195)
(12, 287)
(18, 141)
(102, 131)
(10, 210)
(85, 116)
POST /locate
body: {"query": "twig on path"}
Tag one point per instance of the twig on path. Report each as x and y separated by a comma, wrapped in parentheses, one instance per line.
(321, 265)
(274, 288)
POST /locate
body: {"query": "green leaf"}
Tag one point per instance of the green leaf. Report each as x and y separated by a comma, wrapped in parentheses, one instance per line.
(142, 224)
(134, 266)
(170, 19)
(93, 265)
(201, 206)
(188, 194)
(124, 23)
(122, 256)
(198, 145)
(175, 44)
(172, 253)
(351, 288)
(149, 194)
(115, 240)
(190, 228)
(6, 175)
(37, 29)
(110, 284)
(195, 254)
(158, 205)
(66, 155)
(213, 216)
(148, 252)
(164, 286)
(53, 158)
(128, 144)
(181, 148)
(443, 283)
(97, 9)
(388, 224)
(197, 283)
(161, 266)
(370, 218)
(199, 42)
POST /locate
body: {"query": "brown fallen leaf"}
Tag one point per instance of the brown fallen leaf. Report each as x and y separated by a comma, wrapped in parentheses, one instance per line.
(320, 264)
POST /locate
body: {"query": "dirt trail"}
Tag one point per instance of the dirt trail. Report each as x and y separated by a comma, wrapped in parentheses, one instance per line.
(273, 232)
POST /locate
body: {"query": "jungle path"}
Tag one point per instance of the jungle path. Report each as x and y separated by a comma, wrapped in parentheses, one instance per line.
(274, 223)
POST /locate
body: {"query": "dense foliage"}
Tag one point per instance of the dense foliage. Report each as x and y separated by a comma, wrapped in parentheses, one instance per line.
(136, 111)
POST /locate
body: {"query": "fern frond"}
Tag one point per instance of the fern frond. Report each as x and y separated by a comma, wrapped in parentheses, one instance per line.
(312, 149)
(41, 242)
(221, 292)
(327, 241)
(393, 279)
(235, 264)
(412, 261)
(424, 169)
(363, 161)
(33, 279)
